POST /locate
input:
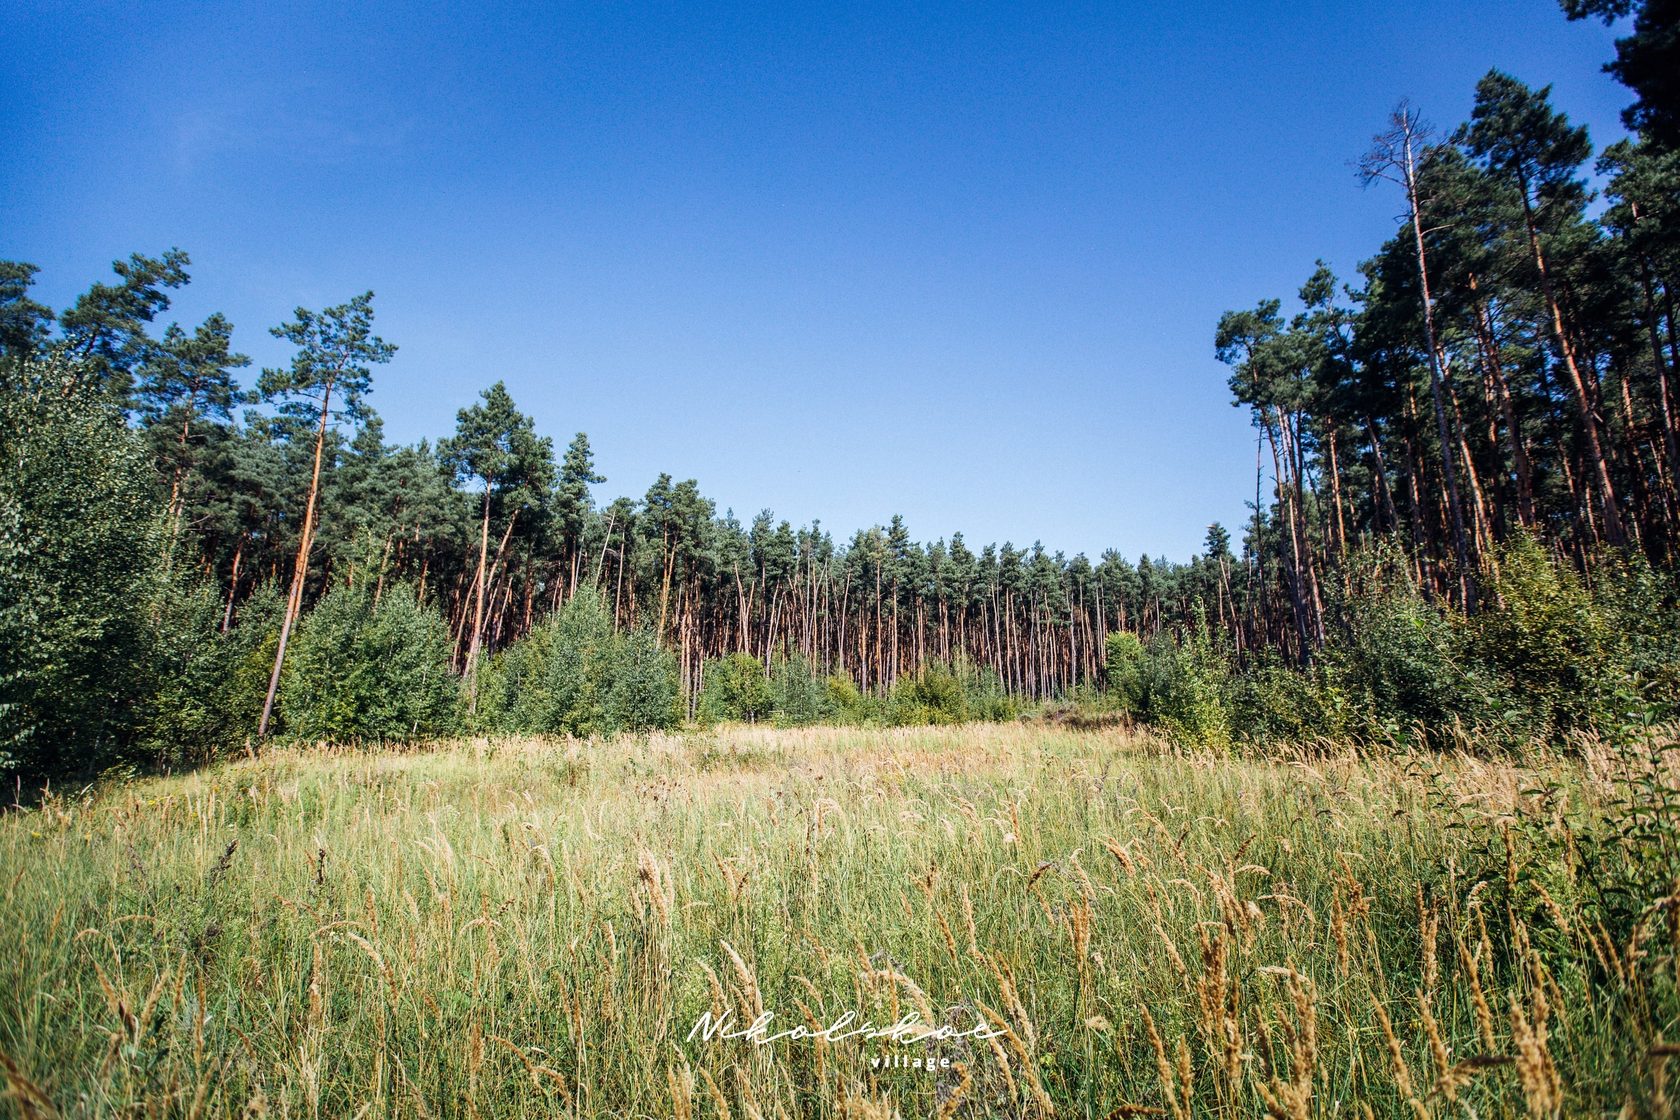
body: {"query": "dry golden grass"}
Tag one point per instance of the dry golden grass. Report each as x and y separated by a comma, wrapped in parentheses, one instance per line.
(532, 928)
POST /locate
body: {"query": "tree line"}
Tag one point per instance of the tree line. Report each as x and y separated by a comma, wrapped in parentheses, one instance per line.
(1504, 364)
(1503, 371)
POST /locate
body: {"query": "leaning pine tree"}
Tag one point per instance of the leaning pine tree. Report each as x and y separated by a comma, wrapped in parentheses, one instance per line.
(1535, 152)
(336, 350)
(1394, 156)
(496, 445)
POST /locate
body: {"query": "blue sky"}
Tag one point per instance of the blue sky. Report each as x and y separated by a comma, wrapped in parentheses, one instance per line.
(959, 262)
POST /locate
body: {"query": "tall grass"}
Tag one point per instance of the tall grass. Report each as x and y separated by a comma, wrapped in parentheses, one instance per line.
(528, 928)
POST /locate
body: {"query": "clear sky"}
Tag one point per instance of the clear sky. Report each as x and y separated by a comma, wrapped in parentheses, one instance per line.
(960, 262)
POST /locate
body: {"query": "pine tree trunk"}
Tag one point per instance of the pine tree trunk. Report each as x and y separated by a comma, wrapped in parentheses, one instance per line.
(294, 601)
(471, 667)
(1488, 344)
(1597, 461)
(1437, 374)
(1671, 444)
(233, 583)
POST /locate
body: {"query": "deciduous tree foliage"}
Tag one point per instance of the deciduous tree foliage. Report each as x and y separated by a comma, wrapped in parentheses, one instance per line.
(80, 536)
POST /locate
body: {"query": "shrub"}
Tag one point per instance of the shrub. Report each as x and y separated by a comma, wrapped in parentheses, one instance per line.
(1641, 609)
(798, 695)
(575, 674)
(80, 566)
(1128, 683)
(1550, 644)
(1176, 684)
(1271, 702)
(641, 693)
(1401, 659)
(545, 683)
(932, 696)
(1186, 680)
(846, 702)
(984, 692)
(949, 693)
(360, 672)
(735, 688)
(211, 685)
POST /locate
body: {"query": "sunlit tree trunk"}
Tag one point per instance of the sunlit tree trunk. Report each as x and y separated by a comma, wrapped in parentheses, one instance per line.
(300, 569)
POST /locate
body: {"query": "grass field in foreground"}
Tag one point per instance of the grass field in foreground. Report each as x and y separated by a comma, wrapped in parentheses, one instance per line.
(532, 929)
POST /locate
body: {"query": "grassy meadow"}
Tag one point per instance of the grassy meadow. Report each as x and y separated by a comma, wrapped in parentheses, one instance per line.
(532, 928)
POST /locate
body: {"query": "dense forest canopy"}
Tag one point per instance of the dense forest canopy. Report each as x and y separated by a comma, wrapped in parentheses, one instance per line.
(1497, 384)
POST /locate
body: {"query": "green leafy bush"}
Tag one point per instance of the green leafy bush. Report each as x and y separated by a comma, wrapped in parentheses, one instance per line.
(575, 674)
(545, 683)
(932, 696)
(1548, 642)
(360, 672)
(1401, 660)
(846, 702)
(211, 685)
(1174, 683)
(641, 694)
(1127, 670)
(1271, 702)
(984, 692)
(1545, 656)
(957, 692)
(81, 551)
(1186, 682)
(798, 693)
(1641, 608)
(735, 688)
